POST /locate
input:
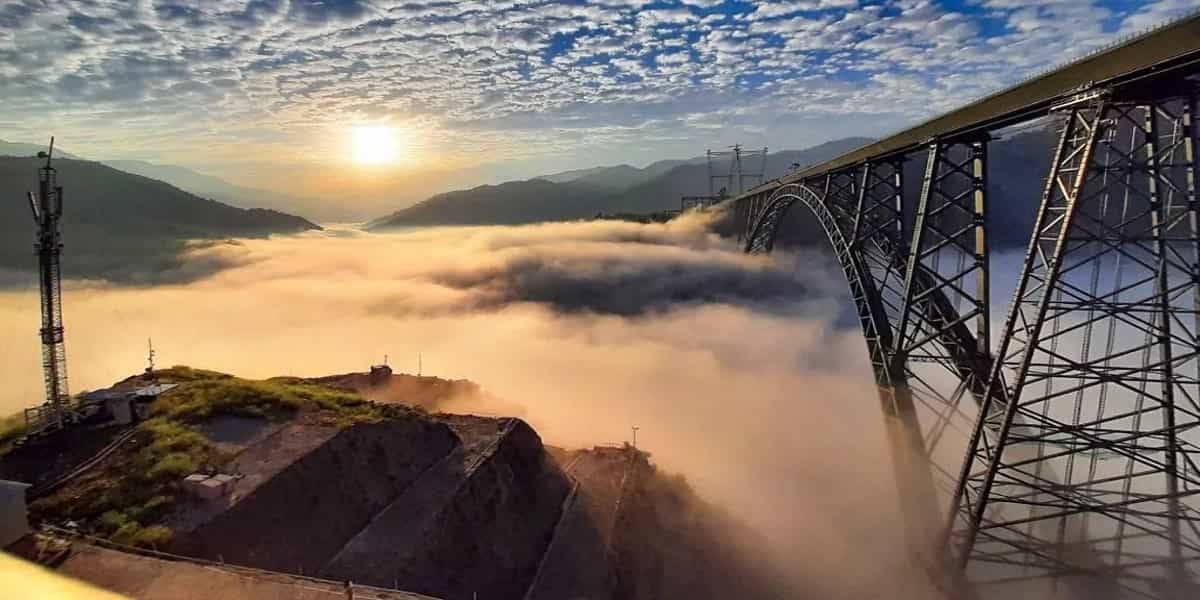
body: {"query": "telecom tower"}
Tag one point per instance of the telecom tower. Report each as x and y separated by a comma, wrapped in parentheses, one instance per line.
(46, 206)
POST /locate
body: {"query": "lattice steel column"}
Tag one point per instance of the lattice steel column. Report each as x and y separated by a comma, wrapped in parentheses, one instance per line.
(1083, 459)
(947, 275)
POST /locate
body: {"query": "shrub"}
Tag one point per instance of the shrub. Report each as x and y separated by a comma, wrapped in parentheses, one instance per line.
(155, 536)
(112, 521)
(11, 428)
(126, 534)
(173, 465)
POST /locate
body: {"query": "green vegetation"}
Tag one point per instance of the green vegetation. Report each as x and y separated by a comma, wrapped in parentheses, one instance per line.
(203, 394)
(126, 497)
(12, 427)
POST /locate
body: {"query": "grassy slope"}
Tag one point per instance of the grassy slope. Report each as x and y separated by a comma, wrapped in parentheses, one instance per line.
(127, 495)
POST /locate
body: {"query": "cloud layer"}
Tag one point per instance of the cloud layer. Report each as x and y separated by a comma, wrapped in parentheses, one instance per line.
(762, 401)
(523, 80)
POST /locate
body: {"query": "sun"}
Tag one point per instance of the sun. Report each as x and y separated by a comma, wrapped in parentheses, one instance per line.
(375, 145)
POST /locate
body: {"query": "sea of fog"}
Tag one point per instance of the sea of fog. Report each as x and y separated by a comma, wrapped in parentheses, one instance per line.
(741, 372)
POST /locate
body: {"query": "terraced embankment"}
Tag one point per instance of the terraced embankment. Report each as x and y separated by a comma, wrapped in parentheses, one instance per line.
(578, 563)
(476, 523)
(295, 518)
(445, 506)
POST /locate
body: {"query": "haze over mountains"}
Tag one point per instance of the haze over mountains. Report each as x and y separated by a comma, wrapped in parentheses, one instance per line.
(120, 226)
(203, 185)
(1016, 172)
(585, 193)
(126, 221)
(210, 186)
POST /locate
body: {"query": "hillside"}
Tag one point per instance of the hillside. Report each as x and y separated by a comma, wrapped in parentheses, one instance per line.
(210, 186)
(584, 193)
(305, 479)
(121, 226)
(509, 203)
(21, 149)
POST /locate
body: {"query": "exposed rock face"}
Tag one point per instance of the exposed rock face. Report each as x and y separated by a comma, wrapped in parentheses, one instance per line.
(302, 516)
(668, 543)
(479, 526)
(432, 508)
(633, 533)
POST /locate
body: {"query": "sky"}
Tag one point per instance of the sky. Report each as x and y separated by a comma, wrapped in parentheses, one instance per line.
(270, 92)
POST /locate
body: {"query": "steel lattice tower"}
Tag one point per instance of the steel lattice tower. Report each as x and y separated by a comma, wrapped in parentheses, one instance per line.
(46, 207)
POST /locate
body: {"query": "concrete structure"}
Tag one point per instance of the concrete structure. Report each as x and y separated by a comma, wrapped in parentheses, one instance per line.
(127, 405)
(380, 374)
(208, 487)
(14, 514)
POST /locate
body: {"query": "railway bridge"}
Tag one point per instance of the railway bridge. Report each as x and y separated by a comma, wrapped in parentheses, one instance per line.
(1055, 449)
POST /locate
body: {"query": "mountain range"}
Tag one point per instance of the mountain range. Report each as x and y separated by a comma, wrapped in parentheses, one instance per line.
(127, 220)
(1017, 166)
(120, 226)
(588, 192)
(210, 186)
(202, 184)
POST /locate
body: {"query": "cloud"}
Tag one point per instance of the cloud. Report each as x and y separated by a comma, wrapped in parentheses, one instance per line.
(770, 413)
(185, 80)
(609, 267)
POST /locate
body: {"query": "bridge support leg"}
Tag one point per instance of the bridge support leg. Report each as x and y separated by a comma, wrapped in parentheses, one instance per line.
(1102, 345)
(912, 470)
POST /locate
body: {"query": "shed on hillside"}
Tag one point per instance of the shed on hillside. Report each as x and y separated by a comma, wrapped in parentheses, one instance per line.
(127, 405)
(14, 514)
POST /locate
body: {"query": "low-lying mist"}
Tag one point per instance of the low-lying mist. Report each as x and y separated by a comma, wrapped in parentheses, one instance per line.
(739, 371)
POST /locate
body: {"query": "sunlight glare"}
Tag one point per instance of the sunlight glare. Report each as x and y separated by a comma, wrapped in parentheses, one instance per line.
(374, 145)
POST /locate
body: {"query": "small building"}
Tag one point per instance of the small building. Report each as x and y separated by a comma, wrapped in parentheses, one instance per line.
(14, 513)
(380, 373)
(127, 405)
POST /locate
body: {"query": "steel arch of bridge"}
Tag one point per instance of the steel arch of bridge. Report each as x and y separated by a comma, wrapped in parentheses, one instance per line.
(914, 330)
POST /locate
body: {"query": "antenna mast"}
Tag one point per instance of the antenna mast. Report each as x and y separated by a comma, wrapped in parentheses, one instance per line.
(46, 206)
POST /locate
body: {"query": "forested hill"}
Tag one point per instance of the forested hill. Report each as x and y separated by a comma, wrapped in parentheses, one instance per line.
(117, 225)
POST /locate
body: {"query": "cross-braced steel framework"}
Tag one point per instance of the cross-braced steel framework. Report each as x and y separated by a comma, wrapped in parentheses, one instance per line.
(1070, 460)
(46, 208)
(918, 273)
(1098, 367)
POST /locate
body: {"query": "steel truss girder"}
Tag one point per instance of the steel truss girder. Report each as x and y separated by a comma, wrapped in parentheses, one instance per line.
(1097, 379)
(919, 292)
(920, 284)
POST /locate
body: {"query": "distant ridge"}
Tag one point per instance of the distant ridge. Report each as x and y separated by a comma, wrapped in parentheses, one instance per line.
(26, 150)
(583, 193)
(120, 226)
(211, 186)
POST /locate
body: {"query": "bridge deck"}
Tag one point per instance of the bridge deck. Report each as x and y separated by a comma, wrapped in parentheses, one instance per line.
(1167, 48)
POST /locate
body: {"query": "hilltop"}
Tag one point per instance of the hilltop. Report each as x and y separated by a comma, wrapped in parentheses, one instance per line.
(308, 477)
(120, 226)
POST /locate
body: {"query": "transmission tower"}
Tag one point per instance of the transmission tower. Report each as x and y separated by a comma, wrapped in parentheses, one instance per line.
(744, 165)
(46, 207)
